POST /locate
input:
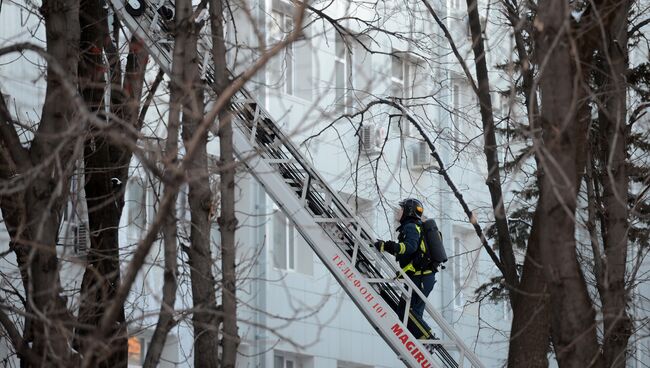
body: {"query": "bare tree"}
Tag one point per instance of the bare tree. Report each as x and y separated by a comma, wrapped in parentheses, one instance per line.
(227, 220)
(205, 318)
(610, 265)
(582, 40)
(40, 173)
(184, 50)
(106, 164)
(573, 316)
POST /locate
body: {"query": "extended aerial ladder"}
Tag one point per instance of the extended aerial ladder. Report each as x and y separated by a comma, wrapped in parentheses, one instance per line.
(330, 227)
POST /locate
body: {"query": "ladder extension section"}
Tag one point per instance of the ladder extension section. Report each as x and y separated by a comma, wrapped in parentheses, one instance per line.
(340, 239)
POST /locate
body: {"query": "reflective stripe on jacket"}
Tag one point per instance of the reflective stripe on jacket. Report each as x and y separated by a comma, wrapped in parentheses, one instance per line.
(409, 240)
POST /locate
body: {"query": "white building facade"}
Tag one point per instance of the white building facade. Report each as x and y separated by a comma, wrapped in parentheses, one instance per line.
(324, 91)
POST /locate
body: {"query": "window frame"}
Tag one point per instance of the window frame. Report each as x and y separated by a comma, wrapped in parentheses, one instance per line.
(506, 309)
(343, 62)
(400, 80)
(294, 363)
(456, 105)
(140, 219)
(141, 355)
(457, 281)
(290, 253)
(284, 24)
(408, 66)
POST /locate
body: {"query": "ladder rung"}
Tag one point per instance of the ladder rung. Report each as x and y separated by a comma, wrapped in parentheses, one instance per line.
(344, 220)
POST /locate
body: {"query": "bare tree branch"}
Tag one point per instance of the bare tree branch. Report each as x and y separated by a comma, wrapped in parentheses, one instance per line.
(10, 139)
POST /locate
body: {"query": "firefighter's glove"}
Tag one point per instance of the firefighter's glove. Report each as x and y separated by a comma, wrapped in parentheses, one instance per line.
(387, 246)
(379, 244)
(391, 247)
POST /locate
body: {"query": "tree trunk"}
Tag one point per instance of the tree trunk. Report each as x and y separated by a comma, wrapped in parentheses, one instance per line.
(613, 150)
(227, 225)
(504, 242)
(106, 173)
(227, 220)
(531, 325)
(106, 201)
(573, 323)
(166, 314)
(15, 159)
(529, 332)
(46, 194)
(204, 315)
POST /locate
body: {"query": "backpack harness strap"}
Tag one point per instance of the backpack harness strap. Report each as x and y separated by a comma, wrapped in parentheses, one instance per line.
(409, 268)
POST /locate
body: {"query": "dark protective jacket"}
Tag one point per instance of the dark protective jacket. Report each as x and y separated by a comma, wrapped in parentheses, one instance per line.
(409, 240)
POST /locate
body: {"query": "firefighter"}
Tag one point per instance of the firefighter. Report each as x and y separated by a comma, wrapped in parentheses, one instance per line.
(405, 250)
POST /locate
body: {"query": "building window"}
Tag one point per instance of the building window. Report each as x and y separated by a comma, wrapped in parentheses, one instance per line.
(284, 245)
(363, 77)
(290, 251)
(135, 351)
(343, 74)
(288, 360)
(458, 273)
(137, 210)
(506, 309)
(341, 364)
(400, 76)
(71, 210)
(455, 113)
(504, 106)
(280, 361)
(282, 67)
(403, 83)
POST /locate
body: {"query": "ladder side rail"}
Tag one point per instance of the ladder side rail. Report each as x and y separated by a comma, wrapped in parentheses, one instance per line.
(165, 63)
(346, 211)
(444, 325)
(360, 291)
(356, 246)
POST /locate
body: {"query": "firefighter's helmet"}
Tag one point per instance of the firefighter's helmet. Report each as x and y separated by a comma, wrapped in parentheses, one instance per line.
(411, 208)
